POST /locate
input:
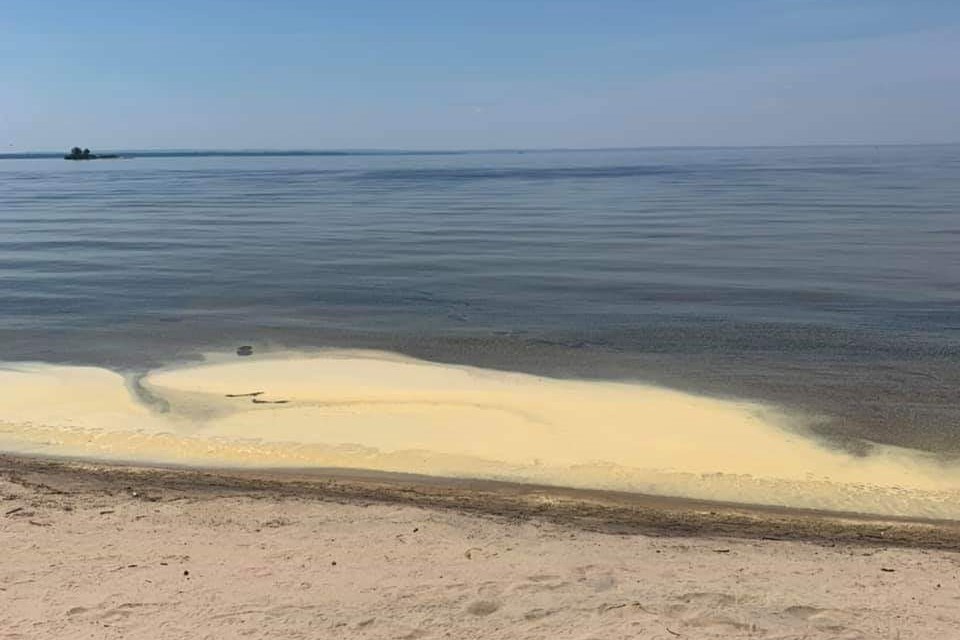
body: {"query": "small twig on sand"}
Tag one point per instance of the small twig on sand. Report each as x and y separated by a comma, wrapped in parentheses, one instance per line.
(13, 511)
(672, 632)
(255, 401)
(245, 395)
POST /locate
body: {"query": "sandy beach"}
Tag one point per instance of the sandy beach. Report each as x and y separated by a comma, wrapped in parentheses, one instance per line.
(485, 320)
(370, 495)
(100, 551)
(365, 494)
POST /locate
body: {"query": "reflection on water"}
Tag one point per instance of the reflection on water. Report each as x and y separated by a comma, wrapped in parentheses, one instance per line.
(825, 279)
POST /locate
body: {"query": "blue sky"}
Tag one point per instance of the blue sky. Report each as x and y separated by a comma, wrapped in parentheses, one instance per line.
(455, 74)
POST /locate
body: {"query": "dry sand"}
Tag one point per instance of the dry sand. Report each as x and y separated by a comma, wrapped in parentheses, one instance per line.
(266, 542)
(369, 410)
(97, 552)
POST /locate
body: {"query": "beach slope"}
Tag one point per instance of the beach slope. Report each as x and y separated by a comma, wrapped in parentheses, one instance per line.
(102, 551)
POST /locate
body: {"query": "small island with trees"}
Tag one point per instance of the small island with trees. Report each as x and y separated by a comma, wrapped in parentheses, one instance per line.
(84, 154)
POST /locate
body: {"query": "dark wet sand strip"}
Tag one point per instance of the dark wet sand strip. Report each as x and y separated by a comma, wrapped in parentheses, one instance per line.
(601, 511)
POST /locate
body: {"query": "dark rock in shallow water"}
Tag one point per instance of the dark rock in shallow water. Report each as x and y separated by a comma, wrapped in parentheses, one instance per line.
(245, 350)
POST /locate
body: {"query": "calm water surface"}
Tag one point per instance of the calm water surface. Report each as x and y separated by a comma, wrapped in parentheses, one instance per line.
(825, 279)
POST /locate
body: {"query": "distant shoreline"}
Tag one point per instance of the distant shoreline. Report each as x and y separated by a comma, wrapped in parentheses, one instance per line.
(45, 155)
(260, 153)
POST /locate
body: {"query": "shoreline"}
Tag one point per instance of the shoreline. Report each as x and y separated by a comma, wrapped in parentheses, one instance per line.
(349, 409)
(610, 512)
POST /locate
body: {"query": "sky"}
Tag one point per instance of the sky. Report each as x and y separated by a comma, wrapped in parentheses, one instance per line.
(476, 74)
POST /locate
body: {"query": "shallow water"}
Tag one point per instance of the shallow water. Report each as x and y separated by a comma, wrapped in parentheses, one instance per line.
(384, 412)
(822, 280)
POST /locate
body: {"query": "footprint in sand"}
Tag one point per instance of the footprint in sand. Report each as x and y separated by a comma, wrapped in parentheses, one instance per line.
(114, 616)
(693, 605)
(827, 619)
(598, 580)
(708, 599)
(538, 613)
(483, 607)
(108, 615)
(721, 625)
(540, 582)
(366, 622)
(703, 610)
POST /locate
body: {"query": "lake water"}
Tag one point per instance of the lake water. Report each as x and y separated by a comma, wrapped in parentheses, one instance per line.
(826, 280)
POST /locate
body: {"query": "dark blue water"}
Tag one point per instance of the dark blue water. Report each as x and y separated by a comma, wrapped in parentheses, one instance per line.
(825, 279)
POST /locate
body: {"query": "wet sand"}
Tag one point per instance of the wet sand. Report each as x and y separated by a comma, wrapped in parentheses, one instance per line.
(100, 550)
(602, 511)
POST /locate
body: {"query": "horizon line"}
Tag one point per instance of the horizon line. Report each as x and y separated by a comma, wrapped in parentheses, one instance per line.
(398, 151)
